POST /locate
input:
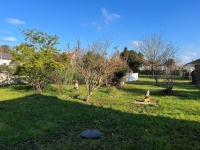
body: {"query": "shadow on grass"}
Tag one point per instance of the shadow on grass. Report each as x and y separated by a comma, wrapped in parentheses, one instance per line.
(140, 82)
(186, 89)
(138, 91)
(183, 89)
(187, 84)
(46, 122)
(17, 87)
(21, 87)
(142, 92)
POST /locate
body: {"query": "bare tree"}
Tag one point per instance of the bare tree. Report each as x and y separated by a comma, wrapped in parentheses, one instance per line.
(156, 49)
(95, 63)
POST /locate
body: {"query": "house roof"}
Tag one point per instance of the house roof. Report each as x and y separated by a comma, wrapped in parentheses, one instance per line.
(197, 61)
(71, 55)
(146, 62)
(6, 56)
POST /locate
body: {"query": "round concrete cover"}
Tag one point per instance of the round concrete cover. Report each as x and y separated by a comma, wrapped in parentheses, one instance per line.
(91, 134)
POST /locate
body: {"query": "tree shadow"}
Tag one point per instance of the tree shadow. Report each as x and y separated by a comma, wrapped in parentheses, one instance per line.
(134, 91)
(47, 122)
(141, 91)
(16, 87)
(186, 90)
(140, 82)
(21, 87)
(181, 89)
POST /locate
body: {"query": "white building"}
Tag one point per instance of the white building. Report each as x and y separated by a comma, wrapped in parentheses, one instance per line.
(191, 65)
(5, 58)
(131, 77)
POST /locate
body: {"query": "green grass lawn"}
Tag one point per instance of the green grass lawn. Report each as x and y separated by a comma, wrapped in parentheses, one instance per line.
(48, 121)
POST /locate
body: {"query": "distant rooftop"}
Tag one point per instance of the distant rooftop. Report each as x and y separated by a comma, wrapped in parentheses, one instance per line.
(6, 56)
(197, 61)
(71, 55)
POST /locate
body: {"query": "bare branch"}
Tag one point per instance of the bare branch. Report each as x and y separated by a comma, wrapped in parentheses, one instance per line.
(156, 49)
(95, 64)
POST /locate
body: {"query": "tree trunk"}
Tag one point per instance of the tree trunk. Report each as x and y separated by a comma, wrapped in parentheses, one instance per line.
(88, 96)
(156, 78)
(152, 69)
(153, 74)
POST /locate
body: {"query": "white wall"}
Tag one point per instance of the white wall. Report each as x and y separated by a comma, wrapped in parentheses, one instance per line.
(131, 77)
(190, 67)
(145, 67)
(3, 61)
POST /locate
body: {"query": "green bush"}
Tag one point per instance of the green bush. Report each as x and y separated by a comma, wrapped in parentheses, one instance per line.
(145, 72)
(195, 77)
(179, 72)
(4, 68)
(149, 72)
(78, 76)
(159, 72)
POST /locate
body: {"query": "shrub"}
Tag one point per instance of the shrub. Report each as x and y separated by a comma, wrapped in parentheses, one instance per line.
(145, 72)
(78, 76)
(4, 68)
(195, 77)
(178, 72)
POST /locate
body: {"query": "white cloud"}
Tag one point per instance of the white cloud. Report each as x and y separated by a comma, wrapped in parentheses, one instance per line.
(185, 57)
(100, 24)
(9, 39)
(192, 53)
(109, 16)
(14, 21)
(136, 43)
(99, 28)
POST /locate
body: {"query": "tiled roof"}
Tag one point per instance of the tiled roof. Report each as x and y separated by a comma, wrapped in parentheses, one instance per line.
(146, 62)
(6, 56)
(194, 62)
(71, 55)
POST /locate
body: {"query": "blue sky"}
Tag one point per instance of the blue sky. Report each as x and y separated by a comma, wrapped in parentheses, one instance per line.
(124, 21)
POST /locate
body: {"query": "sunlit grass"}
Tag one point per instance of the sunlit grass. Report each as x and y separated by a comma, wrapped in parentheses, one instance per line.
(15, 91)
(31, 120)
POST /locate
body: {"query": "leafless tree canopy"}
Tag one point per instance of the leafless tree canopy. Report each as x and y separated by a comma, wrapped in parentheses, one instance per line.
(95, 63)
(156, 49)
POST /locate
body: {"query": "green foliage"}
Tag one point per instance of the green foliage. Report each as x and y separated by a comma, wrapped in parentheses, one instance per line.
(77, 76)
(134, 59)
(170, 62)
(62, 78)
(89, 61)
(118, 76)
(4, 68)
(38, 57)
(195, 77)
(159, 72)
(64, 59)
(5, 49)
(145, 72)
(178, 72)
(40, 40)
